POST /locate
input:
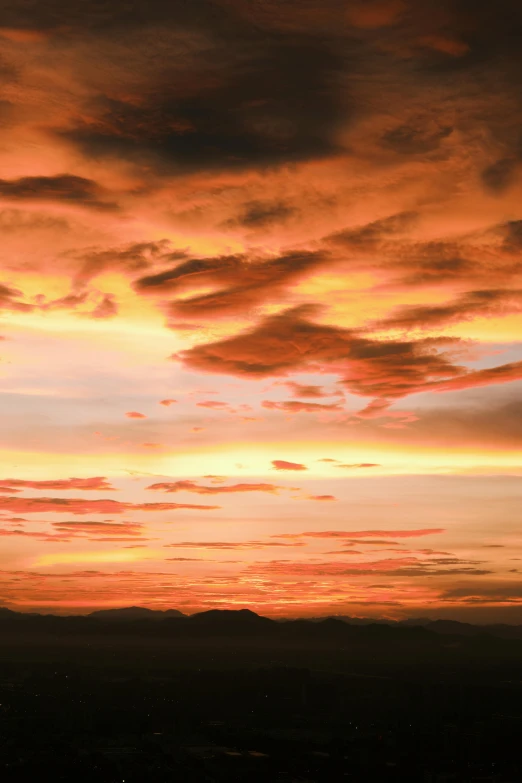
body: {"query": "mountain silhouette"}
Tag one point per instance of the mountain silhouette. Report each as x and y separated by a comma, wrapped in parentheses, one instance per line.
(171, 623)
(231, 617)
(134, 613)
(230, 622)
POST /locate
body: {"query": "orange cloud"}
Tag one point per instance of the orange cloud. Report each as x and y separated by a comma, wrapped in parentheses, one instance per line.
(399, 567)
(100, 531)
(384, 369)
(40, 536)
(308, 390)
(230, 544)
(191, 486)
(106, 308)
(359, 465)
(241, 282)
(9, 300)
(415, 533)
(503, 373)
(295, 406)
(97, 483)
(290, 342)
(283, 464)
(20, 505)
(473, 304)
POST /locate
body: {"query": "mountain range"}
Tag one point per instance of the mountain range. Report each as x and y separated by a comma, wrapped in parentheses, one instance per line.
(242, 622)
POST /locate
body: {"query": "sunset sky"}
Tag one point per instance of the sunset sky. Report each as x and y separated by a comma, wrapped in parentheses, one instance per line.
(261, 306)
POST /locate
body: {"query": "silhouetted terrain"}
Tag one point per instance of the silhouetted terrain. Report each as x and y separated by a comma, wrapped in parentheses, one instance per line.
(134, 613)
(172, 623)
(227, 696)
(228, 639)
(502, 630)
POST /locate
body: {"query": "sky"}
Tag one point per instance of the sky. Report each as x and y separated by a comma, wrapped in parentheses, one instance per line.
(261, 307)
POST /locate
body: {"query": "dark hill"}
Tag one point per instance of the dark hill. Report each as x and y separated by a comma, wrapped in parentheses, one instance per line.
(134, 613)
(148, 623)
(230, 615)
(230, 621)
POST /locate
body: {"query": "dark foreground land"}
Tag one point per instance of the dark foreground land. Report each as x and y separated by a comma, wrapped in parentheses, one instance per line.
(228, 697)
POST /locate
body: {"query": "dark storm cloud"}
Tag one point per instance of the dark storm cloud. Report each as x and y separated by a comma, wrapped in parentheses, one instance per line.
(500, 175)
(408, 140)
(270, 84)
(269, 102)
(513, 236)
(490, 30)
(374, 233)
(260, 214)
(98, 15)
(64, 188)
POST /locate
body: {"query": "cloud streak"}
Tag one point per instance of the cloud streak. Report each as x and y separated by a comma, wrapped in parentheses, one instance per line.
(201, 489)
(18, 505)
